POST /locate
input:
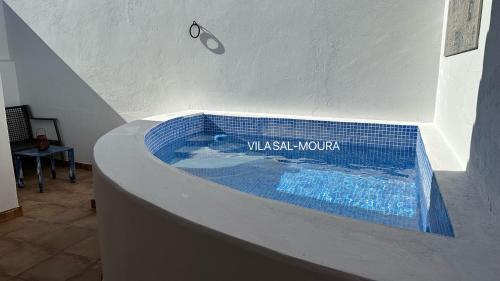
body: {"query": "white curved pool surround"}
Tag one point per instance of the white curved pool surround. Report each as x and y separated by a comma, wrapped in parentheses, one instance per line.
(157, 220)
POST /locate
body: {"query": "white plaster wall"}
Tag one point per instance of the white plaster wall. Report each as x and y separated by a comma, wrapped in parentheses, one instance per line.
(468, 108)
(458, 86)
(52, 89)
(4, 47)
(7, 66)
(8, 195)
(10, 87)
(484, 163)
(371, 59)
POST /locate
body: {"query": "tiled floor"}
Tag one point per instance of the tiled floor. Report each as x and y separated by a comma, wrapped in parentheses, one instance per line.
(56, 239)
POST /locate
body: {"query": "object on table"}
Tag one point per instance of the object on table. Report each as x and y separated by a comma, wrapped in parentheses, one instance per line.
(42, 142)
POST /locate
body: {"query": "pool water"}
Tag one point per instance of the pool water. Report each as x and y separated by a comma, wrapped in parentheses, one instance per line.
(376, 184)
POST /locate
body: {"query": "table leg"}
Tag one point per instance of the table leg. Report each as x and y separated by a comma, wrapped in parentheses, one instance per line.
(71, 159)
(19, 172)
(39, 173)
(53, 166)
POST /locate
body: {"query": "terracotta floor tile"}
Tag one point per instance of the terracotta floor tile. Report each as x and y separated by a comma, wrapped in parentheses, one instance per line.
(9, 278)
(87, 222)
(31, 180)
(32, 231)
(84, 189)
(23, 195)
(29, 205)
(15, 224)
(87, 183)
(57, 268)
(57, 220)
(63, 238)
(45, 212)
(72, 214)
(22, 259)
(66, 199)
(7, 246)
(5, 277)
(84, 176)
(87, 248)
(86, 203)
(91, 274)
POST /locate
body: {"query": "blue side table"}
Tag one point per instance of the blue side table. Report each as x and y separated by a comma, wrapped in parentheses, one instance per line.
(50, 152)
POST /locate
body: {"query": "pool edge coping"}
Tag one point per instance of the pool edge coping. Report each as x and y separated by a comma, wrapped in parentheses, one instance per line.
(403, 235)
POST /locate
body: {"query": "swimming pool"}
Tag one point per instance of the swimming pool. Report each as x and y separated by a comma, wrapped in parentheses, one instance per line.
(373, 172)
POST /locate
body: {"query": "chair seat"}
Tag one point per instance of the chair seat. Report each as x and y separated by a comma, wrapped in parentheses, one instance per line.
(21, 145)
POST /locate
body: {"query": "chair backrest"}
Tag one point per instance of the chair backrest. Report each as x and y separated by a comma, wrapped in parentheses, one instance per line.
(18, 123)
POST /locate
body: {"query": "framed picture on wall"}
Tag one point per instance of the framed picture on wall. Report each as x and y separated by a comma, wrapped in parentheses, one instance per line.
(462, 30)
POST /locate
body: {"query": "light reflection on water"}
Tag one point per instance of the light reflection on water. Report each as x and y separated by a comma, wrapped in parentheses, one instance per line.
(369, 183)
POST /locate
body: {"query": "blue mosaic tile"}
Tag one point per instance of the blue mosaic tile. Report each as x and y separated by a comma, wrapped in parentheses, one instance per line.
(173, 130)
(345, 132)
(381, 174)
(434, 217)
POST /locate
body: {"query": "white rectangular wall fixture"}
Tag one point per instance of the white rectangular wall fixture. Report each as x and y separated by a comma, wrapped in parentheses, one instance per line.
(462, 30)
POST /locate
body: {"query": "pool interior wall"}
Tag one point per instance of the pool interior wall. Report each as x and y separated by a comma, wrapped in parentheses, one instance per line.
(402, 143)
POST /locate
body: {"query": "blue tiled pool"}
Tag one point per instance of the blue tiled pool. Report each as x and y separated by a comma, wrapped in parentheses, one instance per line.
(373, 172)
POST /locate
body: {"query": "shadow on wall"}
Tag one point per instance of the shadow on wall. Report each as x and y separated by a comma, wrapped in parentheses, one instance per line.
(208, 40)
(51, 88)
(484, 163)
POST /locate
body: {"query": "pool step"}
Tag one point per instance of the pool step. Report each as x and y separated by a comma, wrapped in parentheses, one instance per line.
(202, 140)
(185, 152)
